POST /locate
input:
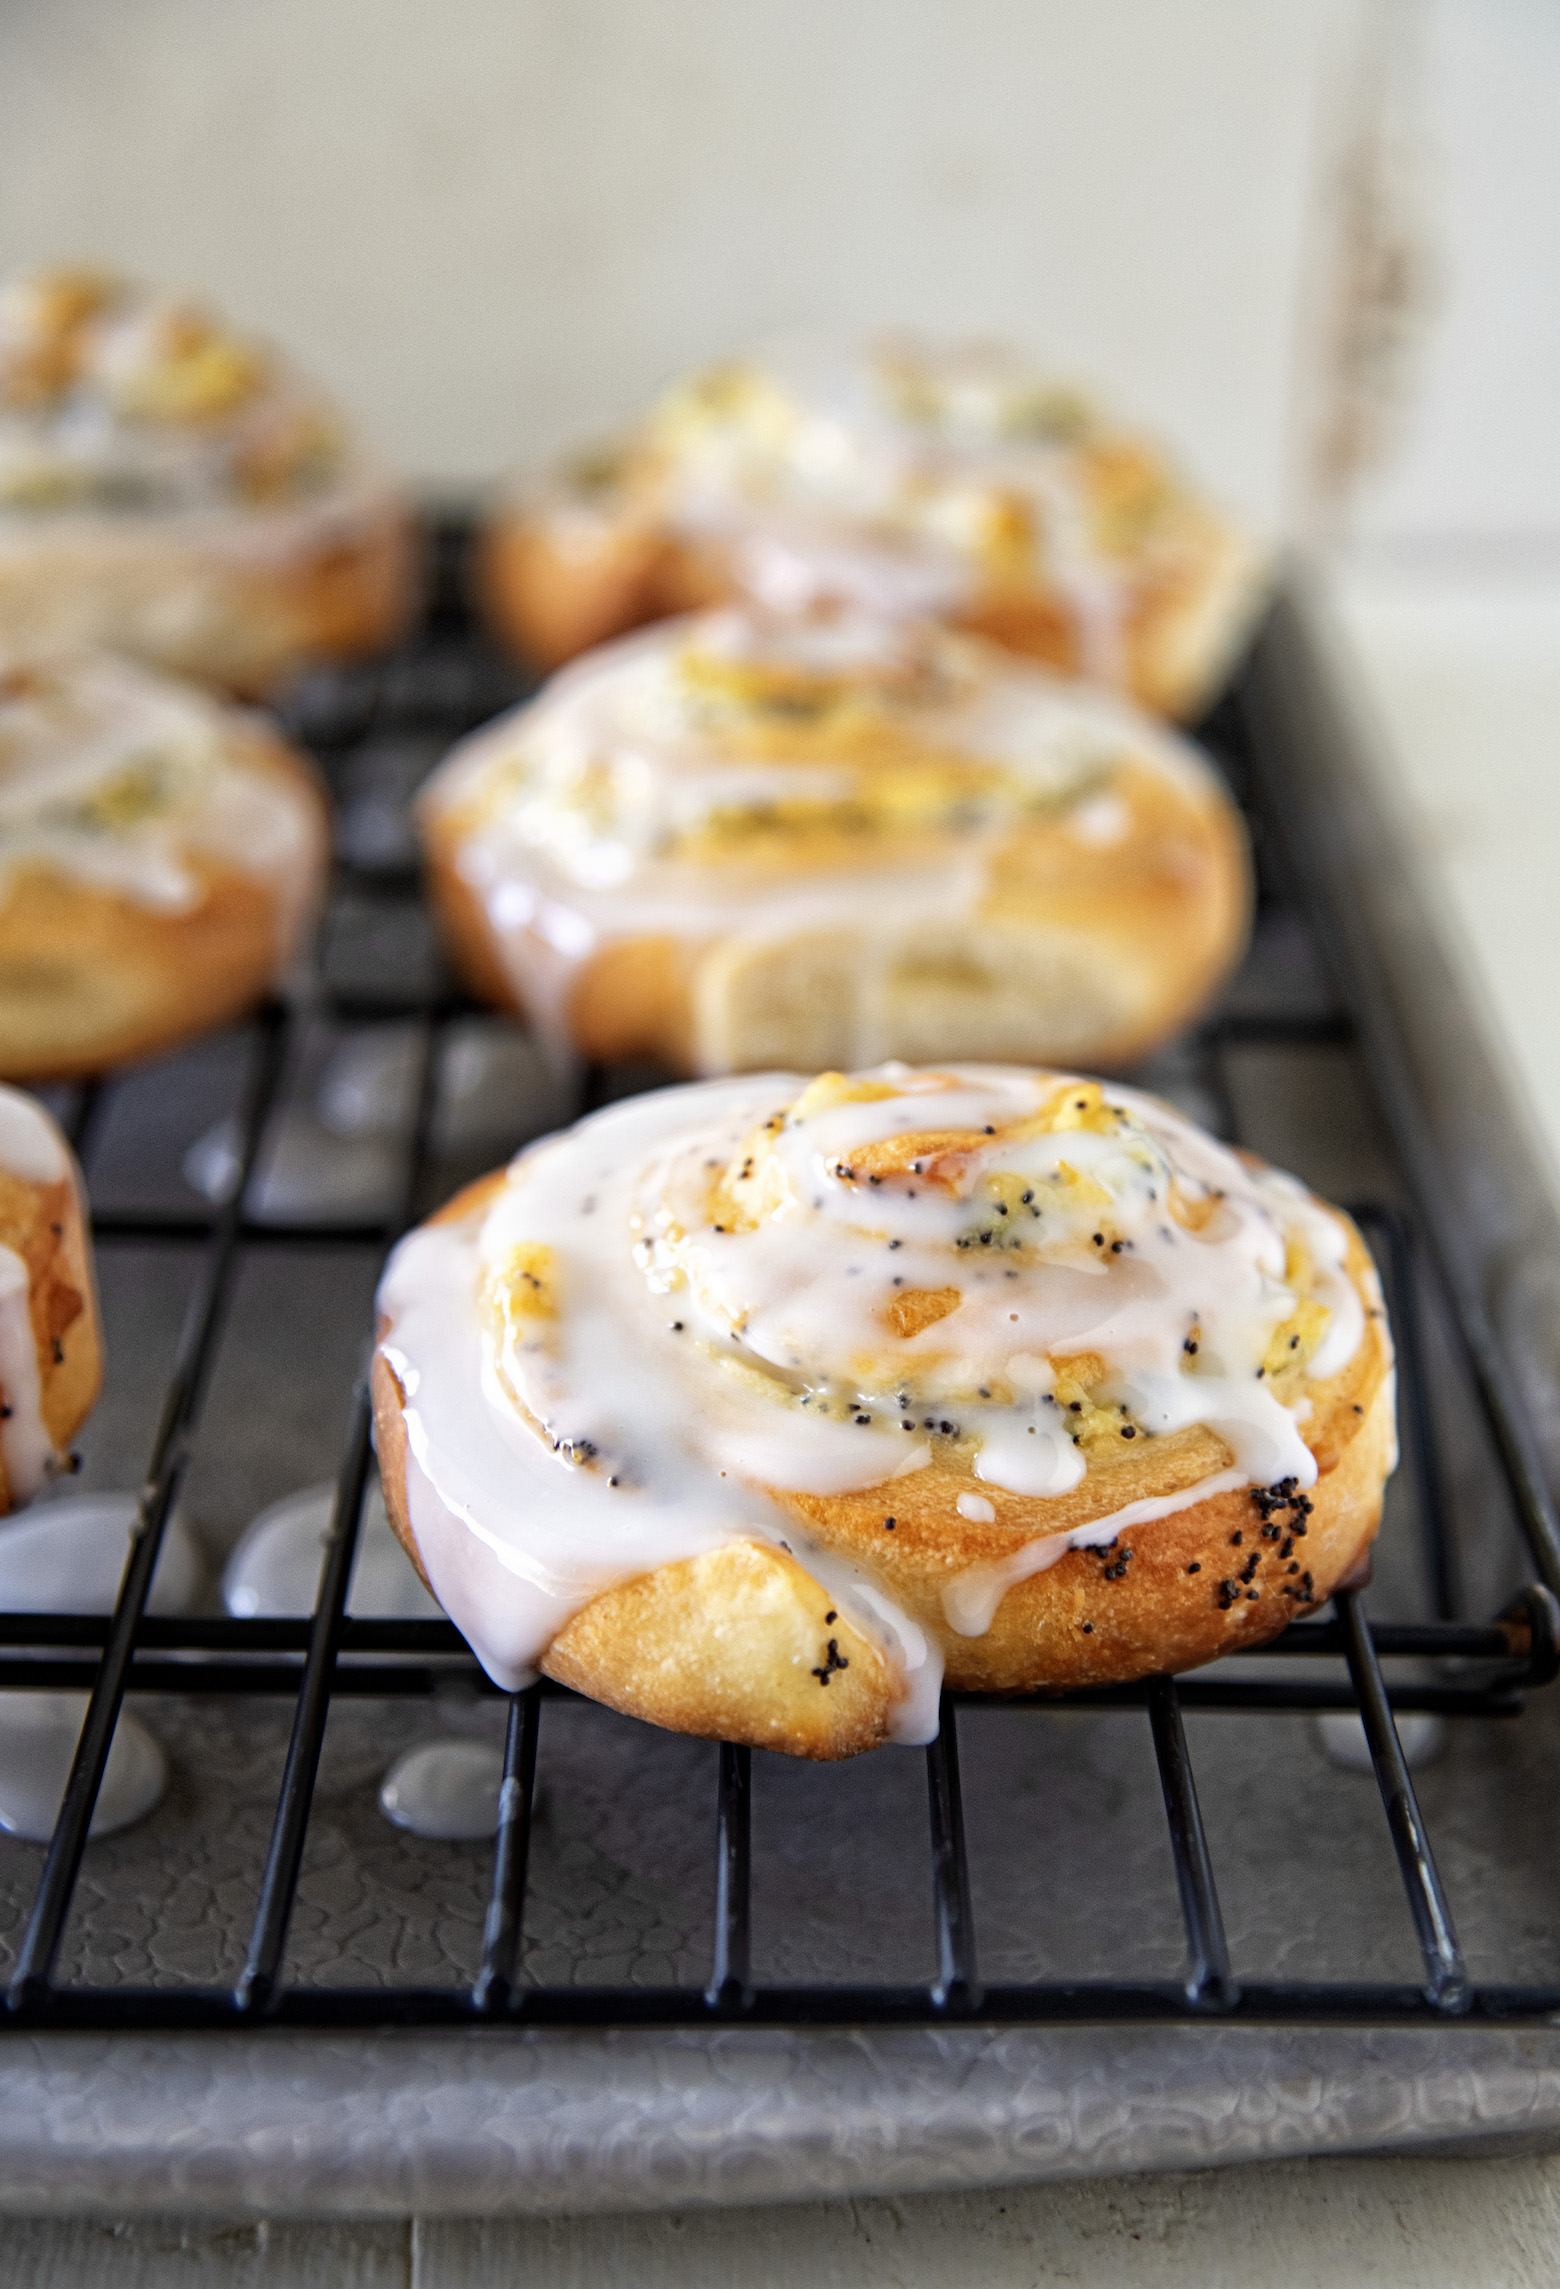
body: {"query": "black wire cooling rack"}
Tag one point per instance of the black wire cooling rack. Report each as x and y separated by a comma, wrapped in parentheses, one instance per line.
(435, 689)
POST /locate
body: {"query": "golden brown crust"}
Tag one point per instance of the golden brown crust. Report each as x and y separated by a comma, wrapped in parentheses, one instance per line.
(1076, 956)
(239, 599)
(673, 1646)
(632, 998)
(92, 978)
(555, 581)
(1104, 1616)
(45, 1224)
(552, 594)
(739, 1645)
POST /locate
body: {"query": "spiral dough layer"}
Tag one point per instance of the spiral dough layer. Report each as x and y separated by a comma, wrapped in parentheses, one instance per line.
(759, 1408)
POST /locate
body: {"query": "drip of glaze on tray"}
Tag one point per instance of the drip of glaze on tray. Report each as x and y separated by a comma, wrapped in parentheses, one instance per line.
(68, 1555)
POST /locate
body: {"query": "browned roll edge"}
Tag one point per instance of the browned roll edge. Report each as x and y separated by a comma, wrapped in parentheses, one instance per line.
(634, 996)
(325, 595)
(45, 1225)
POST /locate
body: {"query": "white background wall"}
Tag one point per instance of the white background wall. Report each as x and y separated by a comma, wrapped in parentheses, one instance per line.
(1479, 452)
(494, 223)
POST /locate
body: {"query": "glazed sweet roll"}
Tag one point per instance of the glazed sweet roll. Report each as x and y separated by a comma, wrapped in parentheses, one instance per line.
(173, 489)
(50, 1349)
(759, 1408)
(960, 482)
(747, 840)
(160, 856)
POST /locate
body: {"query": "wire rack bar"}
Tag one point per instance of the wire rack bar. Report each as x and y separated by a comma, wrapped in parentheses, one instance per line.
(135, 1227)
(409, 1681)
(1510, 1641)
(506, 1902)
(170, 1455)
(728, 1985)
(955, 1988)
(1051, 2003)
(1208, 1982)
(1445, 1972)
(284, 1857)
(406, 1681)
(278, 1888)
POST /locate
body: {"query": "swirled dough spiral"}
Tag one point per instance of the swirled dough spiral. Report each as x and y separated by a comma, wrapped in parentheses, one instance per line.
(758, 1408)
(957, 481)
(172, 489)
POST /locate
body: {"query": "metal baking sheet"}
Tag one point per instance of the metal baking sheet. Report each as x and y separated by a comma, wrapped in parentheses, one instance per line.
(1071, 1865)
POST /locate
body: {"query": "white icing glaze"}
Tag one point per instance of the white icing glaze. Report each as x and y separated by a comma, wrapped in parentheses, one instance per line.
(904, 476)
(649, 792)
(31, 1147)
(718, 1268)
(971, 1600)
(123, 779)
(788, 564)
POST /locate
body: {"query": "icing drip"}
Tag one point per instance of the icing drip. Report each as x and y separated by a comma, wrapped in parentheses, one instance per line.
(68, 1555)
(449, 1790)
(971, 1601)
(700, 1300)
(39, 1733)
(31, 1147)
(748, 779)
(126, 780)
(275, 1567)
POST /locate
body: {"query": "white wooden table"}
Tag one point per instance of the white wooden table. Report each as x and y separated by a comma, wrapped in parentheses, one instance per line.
(1292, 2225)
